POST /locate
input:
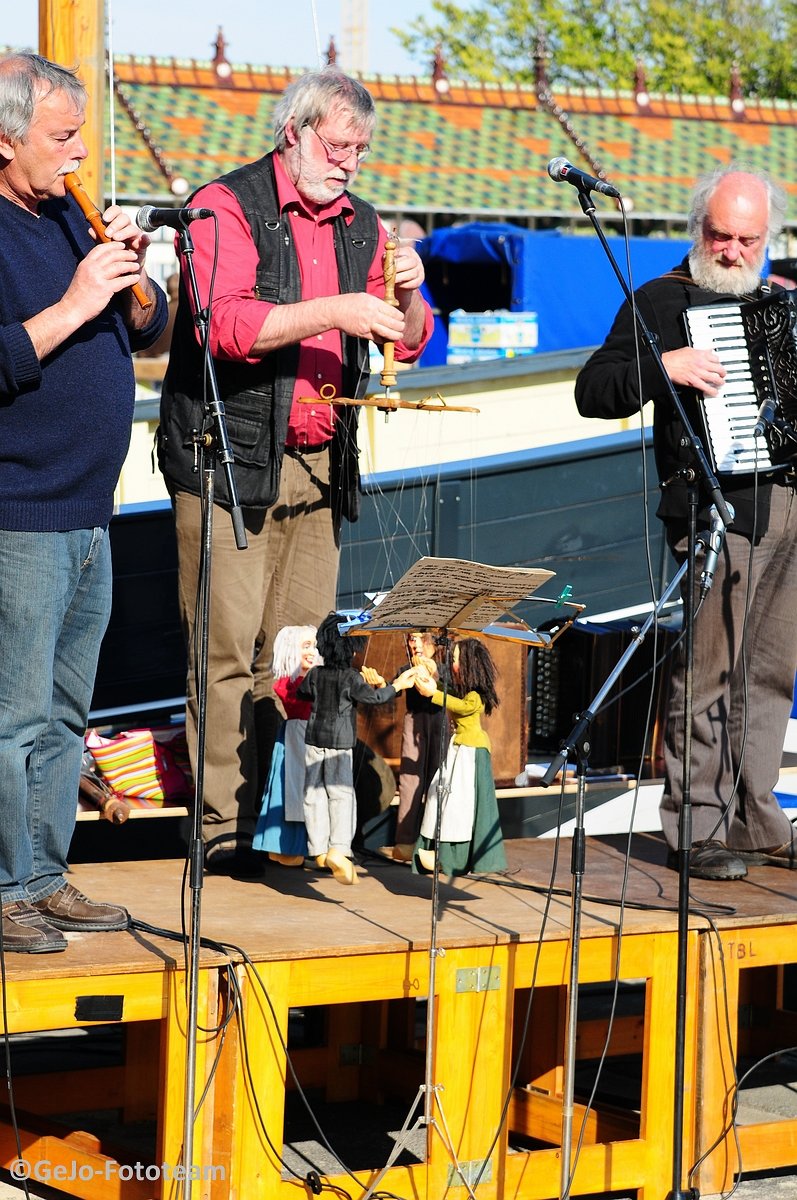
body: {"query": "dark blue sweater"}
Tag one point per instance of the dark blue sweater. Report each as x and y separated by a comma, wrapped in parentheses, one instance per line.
(65, 422)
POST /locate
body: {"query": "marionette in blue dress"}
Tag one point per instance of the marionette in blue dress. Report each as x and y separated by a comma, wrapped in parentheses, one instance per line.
(280, 830)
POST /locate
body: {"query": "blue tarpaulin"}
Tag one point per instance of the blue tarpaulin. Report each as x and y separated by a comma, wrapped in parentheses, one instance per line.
(566, 279)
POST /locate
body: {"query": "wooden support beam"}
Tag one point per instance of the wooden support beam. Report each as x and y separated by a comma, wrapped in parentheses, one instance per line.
(540, 1117)
(72, 33)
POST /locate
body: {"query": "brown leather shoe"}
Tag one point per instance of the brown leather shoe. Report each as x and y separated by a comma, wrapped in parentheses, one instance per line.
(25, 930)
(69, 909)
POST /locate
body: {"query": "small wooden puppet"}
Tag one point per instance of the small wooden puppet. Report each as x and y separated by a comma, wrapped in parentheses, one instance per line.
(335, 689)
(470, 829)
(424, 740)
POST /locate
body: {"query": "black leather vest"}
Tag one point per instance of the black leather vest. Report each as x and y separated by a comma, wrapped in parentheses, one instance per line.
(257, 396)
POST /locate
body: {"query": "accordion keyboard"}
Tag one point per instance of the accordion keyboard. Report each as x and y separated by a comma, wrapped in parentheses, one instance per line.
(730, 416)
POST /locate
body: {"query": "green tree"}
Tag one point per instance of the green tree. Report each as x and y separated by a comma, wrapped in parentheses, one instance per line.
(686, 46)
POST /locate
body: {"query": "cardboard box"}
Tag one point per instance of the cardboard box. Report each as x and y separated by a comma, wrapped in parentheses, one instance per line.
(501, 330)
(466, 354)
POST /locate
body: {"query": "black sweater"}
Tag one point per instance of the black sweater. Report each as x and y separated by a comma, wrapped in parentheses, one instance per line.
(64, 422)
(607, 387)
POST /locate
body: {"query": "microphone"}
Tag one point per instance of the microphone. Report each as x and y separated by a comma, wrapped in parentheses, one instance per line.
(766, 415)
(560, 169)
(714, 539)
(149, 219)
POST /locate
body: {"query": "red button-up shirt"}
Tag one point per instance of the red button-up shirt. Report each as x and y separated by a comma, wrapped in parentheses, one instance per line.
(237, 317)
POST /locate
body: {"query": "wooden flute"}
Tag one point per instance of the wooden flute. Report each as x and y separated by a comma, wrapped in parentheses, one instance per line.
(388, 374)
(94, 218)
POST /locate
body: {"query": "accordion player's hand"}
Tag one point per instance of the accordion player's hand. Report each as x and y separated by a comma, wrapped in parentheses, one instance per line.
(700, 369)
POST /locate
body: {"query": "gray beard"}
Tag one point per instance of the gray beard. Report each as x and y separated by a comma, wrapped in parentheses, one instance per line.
(734, 281)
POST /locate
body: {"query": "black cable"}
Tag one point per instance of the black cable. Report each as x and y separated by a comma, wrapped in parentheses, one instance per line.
(226, 948)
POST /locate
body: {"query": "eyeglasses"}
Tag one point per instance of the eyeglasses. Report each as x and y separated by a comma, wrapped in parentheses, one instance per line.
(339, 154)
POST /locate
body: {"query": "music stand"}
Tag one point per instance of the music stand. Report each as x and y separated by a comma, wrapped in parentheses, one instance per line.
(451, 595)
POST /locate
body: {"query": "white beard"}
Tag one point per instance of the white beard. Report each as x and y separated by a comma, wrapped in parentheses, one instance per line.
(710, 275)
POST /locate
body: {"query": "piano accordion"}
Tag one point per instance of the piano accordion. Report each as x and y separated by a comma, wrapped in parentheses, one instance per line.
(757, 344)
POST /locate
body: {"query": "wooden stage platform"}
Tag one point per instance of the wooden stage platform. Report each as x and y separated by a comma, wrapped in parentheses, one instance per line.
(339, 976)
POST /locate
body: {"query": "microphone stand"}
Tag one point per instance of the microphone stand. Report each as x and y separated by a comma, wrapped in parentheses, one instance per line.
(579, 742)
(205, 443)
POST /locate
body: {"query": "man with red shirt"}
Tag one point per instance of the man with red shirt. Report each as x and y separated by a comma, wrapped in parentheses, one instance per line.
(298, 294)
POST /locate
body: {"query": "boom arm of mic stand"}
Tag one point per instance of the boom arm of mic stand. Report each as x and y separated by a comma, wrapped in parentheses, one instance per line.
(224, 454)
(576, 738)
(711, 481)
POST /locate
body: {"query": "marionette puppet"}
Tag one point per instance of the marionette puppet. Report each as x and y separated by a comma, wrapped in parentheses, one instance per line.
(280, 830)
(335, 689)
(470, 830)
(424, 740)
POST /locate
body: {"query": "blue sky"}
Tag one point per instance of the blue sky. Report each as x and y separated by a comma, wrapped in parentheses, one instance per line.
(257, 31)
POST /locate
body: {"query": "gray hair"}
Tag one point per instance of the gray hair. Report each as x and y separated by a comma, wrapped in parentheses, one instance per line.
(706, 185)
(287, 659)
(308, 99)
(24, 79)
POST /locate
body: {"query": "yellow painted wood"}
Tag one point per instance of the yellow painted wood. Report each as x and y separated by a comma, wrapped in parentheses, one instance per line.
(72, 33)
(141, 1071)
(725, 985)
(39, 1004)
(540, 1117)
(255, 1115)
(473, 1038)
(174, 1050)
(358, 976)
(71, 1165)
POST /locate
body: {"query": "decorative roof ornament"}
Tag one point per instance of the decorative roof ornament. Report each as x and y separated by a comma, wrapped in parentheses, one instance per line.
(332, 53)
(641, 93)
(220, 63)
(736, 94)
(440, 81)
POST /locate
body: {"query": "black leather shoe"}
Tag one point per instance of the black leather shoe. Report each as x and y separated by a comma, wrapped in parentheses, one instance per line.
(25, 930)
(711, 860)
(69, 909)
(236, 859)
(777, 856)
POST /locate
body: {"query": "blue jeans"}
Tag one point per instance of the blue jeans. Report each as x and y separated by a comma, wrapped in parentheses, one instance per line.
(55, 601)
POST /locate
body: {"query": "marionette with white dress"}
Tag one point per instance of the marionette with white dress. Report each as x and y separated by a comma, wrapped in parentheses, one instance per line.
(470, 838)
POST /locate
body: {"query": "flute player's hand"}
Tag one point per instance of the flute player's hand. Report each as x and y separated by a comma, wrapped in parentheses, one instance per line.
(120, 226)
(108, 268)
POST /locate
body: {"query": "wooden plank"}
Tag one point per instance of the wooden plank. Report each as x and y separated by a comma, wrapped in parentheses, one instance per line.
(366, 951)
(540, 1117)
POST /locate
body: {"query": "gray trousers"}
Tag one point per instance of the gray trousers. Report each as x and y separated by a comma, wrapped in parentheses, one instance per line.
(742, 691)
(330, 807)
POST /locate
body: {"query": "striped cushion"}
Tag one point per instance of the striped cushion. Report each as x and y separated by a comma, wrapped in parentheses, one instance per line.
(151, 764)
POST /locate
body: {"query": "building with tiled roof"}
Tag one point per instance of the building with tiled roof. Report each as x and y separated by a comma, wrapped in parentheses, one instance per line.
(448, 151)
